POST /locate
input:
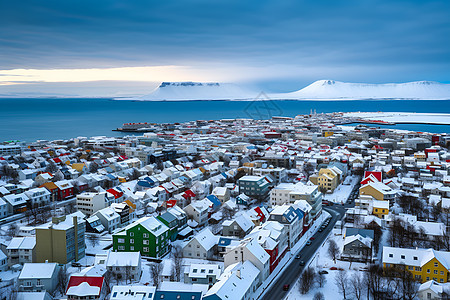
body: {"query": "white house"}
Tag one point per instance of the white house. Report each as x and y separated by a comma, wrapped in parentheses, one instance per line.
(21, 250)
(201, 246)
(127, 265)
(198, 211)
(89, 203)
(36, 277)
(38, 196)
(109, 218)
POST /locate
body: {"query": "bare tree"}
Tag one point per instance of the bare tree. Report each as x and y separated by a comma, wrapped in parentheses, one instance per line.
(12, 230)
(51, 167)
(155, 270)
(94, 239)
(357, 286)
(128, 275)
(108, 283)
(408, 285)
(342, 283)
(375, 282)
(227, 213)
(319, 296)
(93, 167)
(308, 170)
(63, 279)
(333, 250)
(307, 280)
(177, 254)
(321, 279)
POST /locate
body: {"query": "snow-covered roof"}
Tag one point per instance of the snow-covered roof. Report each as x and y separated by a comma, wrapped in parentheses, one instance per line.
(83, 290)
(38, 270)
(116, 259)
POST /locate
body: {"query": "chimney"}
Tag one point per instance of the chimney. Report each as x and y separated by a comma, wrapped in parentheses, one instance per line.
(238, 273)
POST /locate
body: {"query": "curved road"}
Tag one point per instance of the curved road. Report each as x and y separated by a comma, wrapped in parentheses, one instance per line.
(292, 271)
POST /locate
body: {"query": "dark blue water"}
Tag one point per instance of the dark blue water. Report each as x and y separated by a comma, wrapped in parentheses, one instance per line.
(32, 119)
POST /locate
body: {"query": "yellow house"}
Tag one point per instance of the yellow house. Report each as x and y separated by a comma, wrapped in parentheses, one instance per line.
(328, 133)
(328, 179)
(380, 208)
(377, 190)
(80, 167)
(424, 264)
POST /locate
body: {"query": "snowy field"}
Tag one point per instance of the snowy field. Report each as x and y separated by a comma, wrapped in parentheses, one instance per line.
(403, 117)
(342, 192)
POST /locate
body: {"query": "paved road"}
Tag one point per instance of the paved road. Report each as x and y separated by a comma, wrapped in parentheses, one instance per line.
(292, 271)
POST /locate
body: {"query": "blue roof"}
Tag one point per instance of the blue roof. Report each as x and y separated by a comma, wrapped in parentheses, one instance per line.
(224, 241)
(300, 213)
(110, 176)
(149, 180)
(224, 175)
(174, 295)
(144, 183)
(214, 200)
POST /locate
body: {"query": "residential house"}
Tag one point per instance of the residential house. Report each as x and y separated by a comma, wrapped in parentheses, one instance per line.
(424, 264)
(128, 292)
(198, 211)
(238, 281)
(36, 277)
(38, 197)
(89, 203)
(378, 191)
(250, 250)
(65, 189)
(202, 246)
(17, 203)
(85, 287)
(357, 247)
(147, 235)
(202, 274)
(240, 226)
(109, 218)
(254, 186)
(292, 219)
(21, 250)
(125, 265)
(222, 193)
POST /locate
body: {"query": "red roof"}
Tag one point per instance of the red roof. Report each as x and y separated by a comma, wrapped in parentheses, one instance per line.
(57, 160)
(115, 193)
(377, 174)
(188, 193)
(91, 280)
(171, 203)
(260, 213)
(1, 158)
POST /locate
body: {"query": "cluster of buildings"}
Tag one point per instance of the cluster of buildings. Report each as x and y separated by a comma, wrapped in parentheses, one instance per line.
(233, 196)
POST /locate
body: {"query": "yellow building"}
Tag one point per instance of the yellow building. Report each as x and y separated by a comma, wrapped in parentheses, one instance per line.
(61, 240)
(424, 264)
(328, 179)
(377, 190)
(380, 208)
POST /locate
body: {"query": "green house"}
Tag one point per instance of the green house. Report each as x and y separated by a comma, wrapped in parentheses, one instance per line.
(170, 221)
(147, 235)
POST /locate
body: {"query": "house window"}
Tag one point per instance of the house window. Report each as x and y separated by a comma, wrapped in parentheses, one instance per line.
(146, 249)
(435, 264)
(436, 272)
(121, 247)
(391, 255)
(402, 256)
(132, 248)
(145, 235)
(121, 241)
(145, 242)
(131, 241)
(442, 272)
(415, 258)
(131, 233)
(428, 271)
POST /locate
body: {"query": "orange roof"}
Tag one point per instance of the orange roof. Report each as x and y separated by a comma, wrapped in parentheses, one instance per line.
(49, 186)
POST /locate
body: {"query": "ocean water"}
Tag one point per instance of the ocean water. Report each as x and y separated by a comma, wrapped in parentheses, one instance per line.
(32, 119)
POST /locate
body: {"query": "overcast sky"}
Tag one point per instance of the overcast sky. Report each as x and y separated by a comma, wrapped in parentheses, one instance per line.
(276, 45)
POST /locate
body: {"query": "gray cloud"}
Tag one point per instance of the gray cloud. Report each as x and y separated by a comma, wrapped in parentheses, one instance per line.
(357, 40)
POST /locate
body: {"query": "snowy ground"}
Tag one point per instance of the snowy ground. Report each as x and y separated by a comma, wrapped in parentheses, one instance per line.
(342, 192)
(403, 117)
(322, 261)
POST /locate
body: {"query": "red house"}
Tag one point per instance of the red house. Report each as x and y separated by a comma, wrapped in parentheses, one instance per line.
(65, 189)
(84, 287)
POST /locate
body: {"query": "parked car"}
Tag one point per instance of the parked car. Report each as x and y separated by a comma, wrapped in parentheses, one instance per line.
(308, 243)
(286, 287)
(302, 263)
(323, 272)
(298, 256)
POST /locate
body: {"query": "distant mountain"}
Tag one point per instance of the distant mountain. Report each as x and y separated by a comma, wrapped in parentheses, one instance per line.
(335, 90)
(173, 91)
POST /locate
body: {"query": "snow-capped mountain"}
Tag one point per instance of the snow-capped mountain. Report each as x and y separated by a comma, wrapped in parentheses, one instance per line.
(335, 90)
(198, 91)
